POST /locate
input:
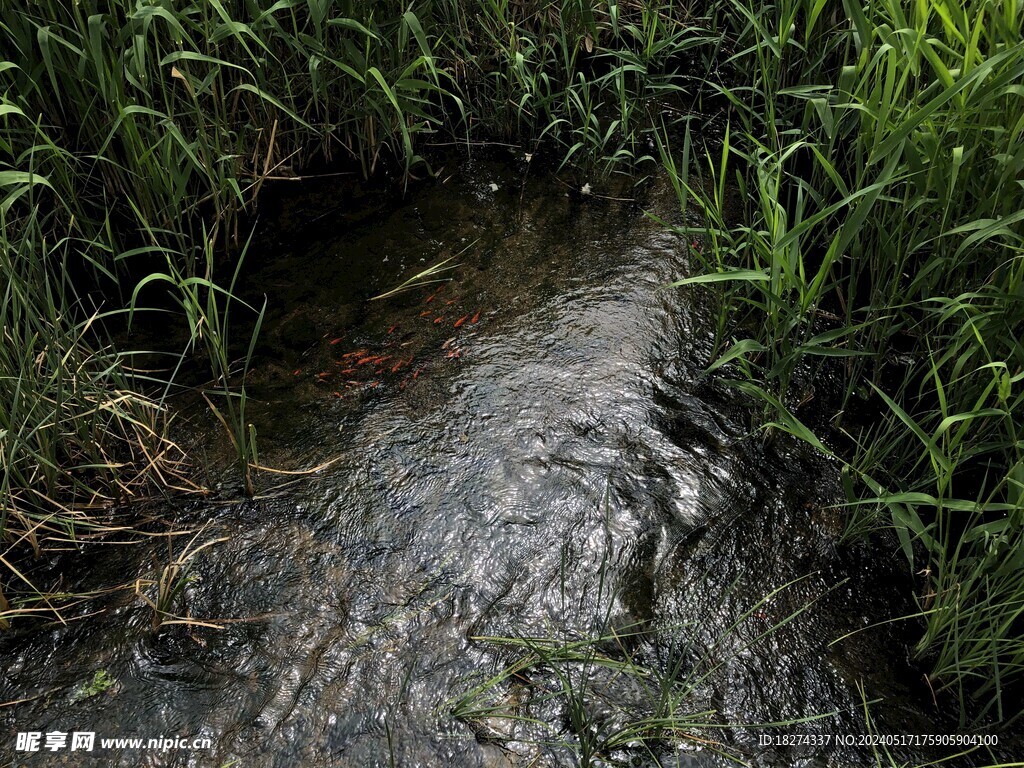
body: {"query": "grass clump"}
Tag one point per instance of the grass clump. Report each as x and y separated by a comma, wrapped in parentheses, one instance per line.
(609, 698)
(878, 156)
(605, 703)
(76, 434)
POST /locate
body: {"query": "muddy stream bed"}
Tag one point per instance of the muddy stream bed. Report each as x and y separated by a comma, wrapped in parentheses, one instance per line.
(530, 451)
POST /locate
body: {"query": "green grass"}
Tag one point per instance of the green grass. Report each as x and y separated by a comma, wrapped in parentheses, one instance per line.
(76, 436)
(877, 240)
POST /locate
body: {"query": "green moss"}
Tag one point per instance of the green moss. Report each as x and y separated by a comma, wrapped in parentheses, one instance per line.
(101, 682)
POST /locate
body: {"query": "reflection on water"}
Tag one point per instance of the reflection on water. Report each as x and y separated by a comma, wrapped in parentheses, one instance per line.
(530, 450)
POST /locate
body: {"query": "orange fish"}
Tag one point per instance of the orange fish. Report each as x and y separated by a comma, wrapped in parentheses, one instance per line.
(357, 353)
(438, 319)
(461, 320)
(392, 329)
(337, 340)
(297, 372)
(425, 312)
(476, 317)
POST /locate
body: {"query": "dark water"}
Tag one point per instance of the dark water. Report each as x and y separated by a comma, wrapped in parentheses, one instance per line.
(555, 466)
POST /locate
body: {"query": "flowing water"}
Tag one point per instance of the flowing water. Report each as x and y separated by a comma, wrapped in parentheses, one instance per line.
(529, 449)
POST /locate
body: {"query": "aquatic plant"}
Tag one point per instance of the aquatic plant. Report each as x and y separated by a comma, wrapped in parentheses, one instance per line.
(617, 703)
(170, 586)
(101, 682)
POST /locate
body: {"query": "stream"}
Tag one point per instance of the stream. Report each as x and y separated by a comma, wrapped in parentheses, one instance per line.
(530, 449)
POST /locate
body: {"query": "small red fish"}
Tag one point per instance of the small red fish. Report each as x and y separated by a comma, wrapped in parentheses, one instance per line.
(401, 364)
(357, 353)
(438, 319)
(450, 301)
(337, 340)
(392, 329)
(461, 320)
(297, 372)
(425, 312)
(475, 319)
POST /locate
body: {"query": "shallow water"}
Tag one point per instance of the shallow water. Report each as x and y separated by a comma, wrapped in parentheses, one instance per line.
(546, 459)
